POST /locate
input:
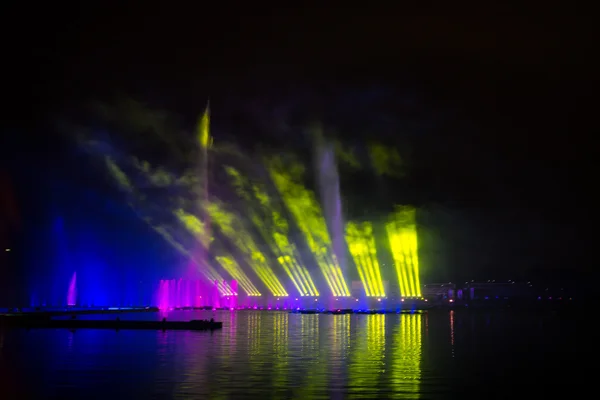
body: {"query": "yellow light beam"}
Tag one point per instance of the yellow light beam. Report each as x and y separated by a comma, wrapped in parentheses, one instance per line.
(311, 285)
(308, 216)
(285, 262)
(402, 234)
(361, 244)
(229, 265)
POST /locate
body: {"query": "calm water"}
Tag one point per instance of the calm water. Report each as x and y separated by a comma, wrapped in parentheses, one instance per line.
(266, 355)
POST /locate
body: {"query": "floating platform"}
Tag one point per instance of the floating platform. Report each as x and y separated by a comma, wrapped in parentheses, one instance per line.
(350, 311)
(66, 311)
(48, 323)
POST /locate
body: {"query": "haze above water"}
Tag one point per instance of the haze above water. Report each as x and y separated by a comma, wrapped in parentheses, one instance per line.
(439, 355)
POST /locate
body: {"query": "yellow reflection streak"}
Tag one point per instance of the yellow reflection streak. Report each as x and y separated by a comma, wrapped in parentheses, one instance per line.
(254, 348)
(314, 359)
(406, 369)
(339, 346)
(367, 364)
(280, 354)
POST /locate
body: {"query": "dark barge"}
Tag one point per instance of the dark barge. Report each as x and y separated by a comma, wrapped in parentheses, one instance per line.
(116, 324)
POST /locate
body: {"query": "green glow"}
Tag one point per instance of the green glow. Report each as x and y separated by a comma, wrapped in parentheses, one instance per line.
(385, 160)
(274, 230)
(402, 234)
(231, 226)
(361, 243)
(303, 205)
(194, 226)
(406, 367)
(346, 156)
(158, 177)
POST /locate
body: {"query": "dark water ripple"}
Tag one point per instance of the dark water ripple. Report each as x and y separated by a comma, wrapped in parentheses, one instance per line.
(275, 355)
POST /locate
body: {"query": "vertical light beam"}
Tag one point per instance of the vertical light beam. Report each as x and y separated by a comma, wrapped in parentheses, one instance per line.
(402, 234)
(361, 243)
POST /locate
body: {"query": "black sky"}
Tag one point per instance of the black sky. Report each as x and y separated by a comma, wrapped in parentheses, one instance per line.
(497, 58)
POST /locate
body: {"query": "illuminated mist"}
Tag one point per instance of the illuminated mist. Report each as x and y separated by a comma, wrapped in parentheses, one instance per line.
(249, 232)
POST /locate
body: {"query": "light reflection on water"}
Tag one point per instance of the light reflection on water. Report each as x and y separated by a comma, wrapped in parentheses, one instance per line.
(275, 355)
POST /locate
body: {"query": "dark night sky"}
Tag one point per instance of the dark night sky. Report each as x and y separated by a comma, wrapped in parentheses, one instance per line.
(495, 62)
(514, 87)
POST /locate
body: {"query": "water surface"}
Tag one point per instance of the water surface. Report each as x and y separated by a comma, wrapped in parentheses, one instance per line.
(275, 355)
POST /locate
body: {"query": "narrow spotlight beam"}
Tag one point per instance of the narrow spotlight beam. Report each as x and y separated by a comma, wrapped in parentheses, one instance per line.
(402, 234)
(361, 243)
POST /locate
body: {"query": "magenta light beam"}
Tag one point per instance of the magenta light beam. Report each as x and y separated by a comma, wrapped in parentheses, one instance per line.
(72, 293)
